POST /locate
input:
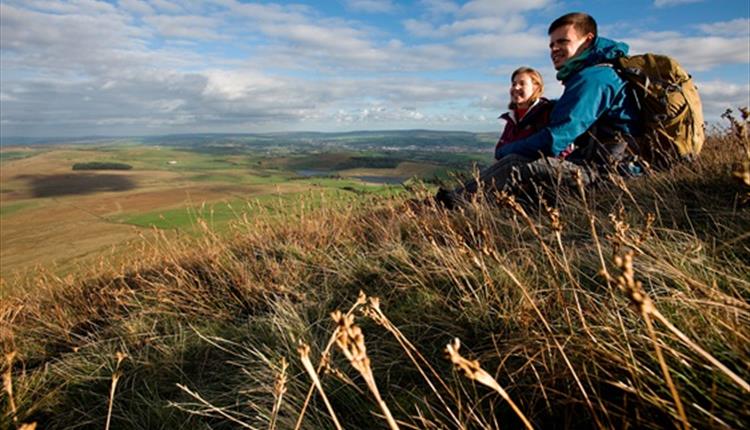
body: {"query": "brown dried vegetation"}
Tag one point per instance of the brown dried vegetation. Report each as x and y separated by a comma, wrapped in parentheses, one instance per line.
(623, 306)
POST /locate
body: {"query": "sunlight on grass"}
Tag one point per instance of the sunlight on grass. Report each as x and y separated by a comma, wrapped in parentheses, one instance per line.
(621, 306)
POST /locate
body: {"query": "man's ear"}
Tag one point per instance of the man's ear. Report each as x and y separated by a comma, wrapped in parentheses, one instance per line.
(589, 40)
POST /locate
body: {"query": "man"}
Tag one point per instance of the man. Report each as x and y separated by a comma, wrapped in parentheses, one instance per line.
(590, 126)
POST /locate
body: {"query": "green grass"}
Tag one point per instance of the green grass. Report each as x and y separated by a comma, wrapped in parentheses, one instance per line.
(15, 155)
(12, 208)
(244, 177)
(181, 218)
(219, 215)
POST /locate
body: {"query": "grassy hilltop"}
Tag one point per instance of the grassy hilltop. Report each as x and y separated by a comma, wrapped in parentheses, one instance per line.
(625, 306)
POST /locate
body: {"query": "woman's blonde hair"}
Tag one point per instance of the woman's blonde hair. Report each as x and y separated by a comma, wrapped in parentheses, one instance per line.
(536, 78)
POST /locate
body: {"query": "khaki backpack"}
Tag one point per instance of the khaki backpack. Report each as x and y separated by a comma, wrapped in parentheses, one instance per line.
(670, 108)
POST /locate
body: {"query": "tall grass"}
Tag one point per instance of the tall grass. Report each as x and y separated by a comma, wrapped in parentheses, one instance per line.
(627, 305)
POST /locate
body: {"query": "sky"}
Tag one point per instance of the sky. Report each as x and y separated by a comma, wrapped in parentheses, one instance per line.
(149, 67)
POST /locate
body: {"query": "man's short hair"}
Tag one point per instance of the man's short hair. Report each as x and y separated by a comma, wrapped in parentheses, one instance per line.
(582, 22)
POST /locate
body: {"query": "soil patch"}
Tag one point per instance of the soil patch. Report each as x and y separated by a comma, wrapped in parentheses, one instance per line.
(76, 184)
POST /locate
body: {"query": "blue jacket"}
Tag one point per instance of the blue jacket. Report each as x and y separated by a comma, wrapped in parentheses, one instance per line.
(594, 95)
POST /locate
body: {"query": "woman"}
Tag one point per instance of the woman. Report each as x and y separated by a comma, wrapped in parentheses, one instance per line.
(529, 113)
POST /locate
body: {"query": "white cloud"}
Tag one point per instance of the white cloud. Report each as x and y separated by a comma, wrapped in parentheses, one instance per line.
(378, 113)
(516, 45)
(667, 3)
(371, 6)
(235, 85)
(188, 27)
(736, 27)
(73, 6)
(508, 24)
(83, 66)
(482, 30)
(137, 6)
(500, 8)
(694, 53)
(219, 100)
(56, 43)
(167, 6)
(717, 96)
(265, 13)
(437, 8)
(420, 28)
(122, 83)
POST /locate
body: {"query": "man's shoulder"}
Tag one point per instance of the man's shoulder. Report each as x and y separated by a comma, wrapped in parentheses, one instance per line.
(603, 69)
(602, 73)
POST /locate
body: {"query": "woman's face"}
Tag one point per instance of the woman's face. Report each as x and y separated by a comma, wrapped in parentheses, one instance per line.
(521, 89)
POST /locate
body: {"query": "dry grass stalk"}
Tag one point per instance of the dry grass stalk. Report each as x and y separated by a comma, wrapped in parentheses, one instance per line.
(115, 378)
(279, 389)
(8, 385)
(472, 370)
(739, 127)
(742, 174)
(557, 227)
(510, 201)
(361, 300)
(304, 352)
(634, 290)
(351, 341)
(702, 352)
(592, 220)
(557, 343)
(210, 407)
(603, 271)
(374, 312)
(341, 376)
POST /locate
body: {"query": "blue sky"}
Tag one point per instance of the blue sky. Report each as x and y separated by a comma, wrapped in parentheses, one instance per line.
(140, 67)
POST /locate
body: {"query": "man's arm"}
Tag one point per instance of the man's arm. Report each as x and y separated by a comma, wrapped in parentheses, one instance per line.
(586, 98)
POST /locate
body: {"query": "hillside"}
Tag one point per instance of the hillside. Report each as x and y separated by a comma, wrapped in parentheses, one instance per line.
(63, 206)
(627, 305)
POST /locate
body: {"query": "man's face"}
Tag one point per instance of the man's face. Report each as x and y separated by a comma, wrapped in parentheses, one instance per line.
(565, 43)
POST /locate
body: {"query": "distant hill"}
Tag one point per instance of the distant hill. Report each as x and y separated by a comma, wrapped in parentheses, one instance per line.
(392, 140)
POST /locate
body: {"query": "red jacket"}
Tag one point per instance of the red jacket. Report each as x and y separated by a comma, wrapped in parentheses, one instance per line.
(536, 118)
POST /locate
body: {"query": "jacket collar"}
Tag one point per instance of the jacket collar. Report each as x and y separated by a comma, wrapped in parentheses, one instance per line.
(511, 114)
(603, 50)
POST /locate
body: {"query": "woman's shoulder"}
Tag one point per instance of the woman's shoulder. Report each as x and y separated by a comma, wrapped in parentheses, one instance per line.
(543, 104)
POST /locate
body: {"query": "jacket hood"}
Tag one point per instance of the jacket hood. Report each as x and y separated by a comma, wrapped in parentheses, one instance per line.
(603, 50)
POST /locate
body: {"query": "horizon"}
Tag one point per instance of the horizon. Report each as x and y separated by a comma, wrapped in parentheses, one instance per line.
(250, 133)
(135, 68)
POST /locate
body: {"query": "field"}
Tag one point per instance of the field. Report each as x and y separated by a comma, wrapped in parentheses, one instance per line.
(333, 303)
(55, 219)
